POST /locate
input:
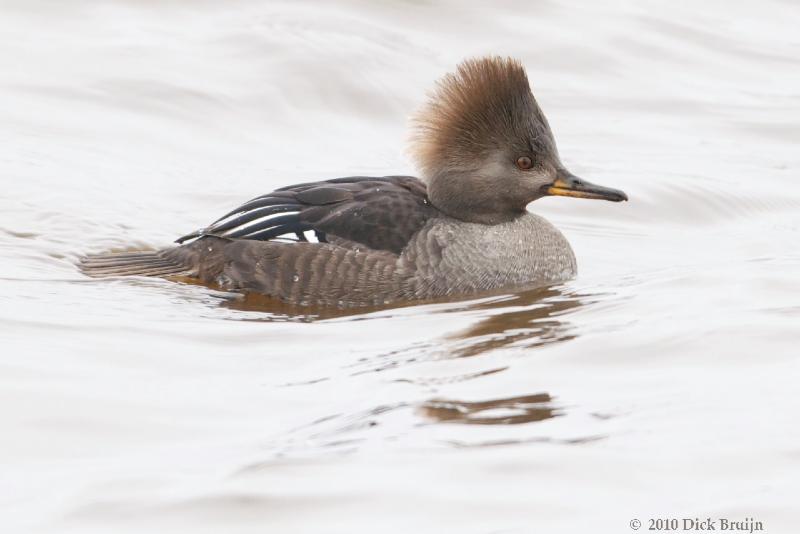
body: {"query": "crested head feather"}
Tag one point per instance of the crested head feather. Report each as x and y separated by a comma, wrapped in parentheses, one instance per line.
(485, 105)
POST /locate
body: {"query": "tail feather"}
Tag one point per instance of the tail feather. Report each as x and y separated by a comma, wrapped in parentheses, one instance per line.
(150, 263)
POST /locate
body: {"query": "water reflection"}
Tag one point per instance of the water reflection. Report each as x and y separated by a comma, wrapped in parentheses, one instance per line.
(529, 319)
(271, 309)
(263, 308)
(526, 319)
(523, 320)
(528, 314)
(510, 411)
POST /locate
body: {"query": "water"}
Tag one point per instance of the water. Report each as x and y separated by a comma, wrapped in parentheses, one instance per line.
(661, 383)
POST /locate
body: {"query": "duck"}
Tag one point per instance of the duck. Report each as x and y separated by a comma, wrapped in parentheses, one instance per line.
(484, 152)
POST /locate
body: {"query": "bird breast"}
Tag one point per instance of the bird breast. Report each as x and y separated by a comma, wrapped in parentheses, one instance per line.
(449, 256)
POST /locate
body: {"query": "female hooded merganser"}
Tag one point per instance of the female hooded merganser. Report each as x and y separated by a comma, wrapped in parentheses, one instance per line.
(485, 151)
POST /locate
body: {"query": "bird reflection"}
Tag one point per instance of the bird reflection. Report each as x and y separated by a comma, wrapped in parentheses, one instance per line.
(529, 319)
(526, 319)
(510, 411)
(273, 309)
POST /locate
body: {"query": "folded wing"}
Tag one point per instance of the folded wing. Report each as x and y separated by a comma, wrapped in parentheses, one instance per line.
(377, 213)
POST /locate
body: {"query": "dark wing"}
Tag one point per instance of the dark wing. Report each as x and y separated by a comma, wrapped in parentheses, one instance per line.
(379, 213)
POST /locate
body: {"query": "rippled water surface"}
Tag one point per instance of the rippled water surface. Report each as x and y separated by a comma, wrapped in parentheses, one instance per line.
(663, 382)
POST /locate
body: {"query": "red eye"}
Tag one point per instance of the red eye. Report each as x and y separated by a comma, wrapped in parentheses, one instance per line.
(524, 163)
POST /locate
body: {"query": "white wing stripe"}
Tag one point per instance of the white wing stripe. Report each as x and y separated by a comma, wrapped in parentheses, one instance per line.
(252, 222)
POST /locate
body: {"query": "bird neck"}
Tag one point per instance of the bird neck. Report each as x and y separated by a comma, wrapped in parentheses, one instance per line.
(468, 196)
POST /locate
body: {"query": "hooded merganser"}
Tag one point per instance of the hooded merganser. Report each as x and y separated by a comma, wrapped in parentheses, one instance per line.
(485, 151)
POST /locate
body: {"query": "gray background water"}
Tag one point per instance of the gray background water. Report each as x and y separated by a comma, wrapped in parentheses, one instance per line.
(661, 383)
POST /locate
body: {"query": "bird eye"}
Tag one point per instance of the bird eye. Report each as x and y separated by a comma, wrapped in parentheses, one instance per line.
(524, 163)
